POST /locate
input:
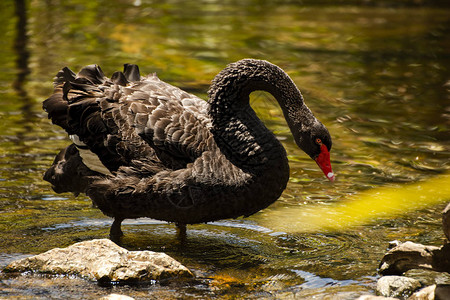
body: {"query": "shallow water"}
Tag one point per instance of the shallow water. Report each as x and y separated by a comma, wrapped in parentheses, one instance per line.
(377, 76)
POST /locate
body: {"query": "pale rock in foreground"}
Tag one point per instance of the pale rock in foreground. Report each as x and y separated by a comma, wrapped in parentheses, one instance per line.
(372, 297)
(102, 260)
(116, 297)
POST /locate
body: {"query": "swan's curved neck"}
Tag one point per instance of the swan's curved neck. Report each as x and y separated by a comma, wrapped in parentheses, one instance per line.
(237, 130)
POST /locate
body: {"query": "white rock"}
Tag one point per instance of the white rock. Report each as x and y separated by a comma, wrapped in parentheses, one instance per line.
(372, 297)
(102, 260)
(116, 297)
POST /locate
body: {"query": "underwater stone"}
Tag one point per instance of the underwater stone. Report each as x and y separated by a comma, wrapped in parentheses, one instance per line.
(104, 261)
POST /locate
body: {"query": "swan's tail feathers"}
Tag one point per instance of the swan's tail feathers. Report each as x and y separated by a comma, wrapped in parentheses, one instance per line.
(131, 72)
(56, 109)
(70, 88)
(56, 106)
(119, 78)
(68, 173)
(64, 75)
(93, 73)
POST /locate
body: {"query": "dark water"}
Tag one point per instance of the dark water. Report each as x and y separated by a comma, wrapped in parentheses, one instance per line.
(377, 76)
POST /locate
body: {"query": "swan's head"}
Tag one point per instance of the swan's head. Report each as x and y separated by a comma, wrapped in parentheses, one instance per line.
(316, 142)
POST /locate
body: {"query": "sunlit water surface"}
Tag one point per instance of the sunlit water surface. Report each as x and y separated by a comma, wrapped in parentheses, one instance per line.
(378, 77)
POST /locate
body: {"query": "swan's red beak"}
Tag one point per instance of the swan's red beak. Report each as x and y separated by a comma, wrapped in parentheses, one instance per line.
(323, 160)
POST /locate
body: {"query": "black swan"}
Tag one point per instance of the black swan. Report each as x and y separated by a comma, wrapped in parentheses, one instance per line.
(144, 148)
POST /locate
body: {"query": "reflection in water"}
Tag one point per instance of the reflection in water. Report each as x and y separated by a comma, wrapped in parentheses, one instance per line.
(23, 70)
(20, 46)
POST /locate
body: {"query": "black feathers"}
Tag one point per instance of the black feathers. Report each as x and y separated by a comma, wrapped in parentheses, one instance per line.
(149, 149)
(68, 173)
(65, 75)
(131, 72)
(93, 74)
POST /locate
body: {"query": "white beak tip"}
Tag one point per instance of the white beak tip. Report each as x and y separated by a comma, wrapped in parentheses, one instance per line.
(330, 176)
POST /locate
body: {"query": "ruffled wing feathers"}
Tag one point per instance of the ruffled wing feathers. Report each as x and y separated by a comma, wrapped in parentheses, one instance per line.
(128, 118)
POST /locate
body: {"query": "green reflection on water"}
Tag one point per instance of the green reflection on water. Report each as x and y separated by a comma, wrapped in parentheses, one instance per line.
(376, 76)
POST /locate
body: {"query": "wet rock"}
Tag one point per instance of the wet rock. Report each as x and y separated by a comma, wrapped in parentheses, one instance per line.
(409, 255)
(393, 244)
(446, 221)
(104, 261)
(372, 297)
(116, 297)
(432, 292)
(426, 293)
(397, 286)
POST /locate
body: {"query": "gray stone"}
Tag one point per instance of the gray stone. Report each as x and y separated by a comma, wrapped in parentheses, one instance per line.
(116, 297)
(372, 297)
(409, 255)
(102, 260)
(426, 293)
(397, 286)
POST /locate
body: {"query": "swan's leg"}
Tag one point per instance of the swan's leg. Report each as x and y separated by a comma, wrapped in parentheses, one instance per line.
(181, 231)
(115, 232)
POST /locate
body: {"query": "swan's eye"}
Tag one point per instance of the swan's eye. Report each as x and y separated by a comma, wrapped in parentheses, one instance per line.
(318, 141)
